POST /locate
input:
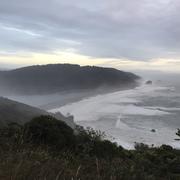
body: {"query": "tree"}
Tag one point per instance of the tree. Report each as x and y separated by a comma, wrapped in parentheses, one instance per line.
(178, 134)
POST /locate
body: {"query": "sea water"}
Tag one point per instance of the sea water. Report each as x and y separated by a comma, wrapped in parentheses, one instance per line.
(147, 114)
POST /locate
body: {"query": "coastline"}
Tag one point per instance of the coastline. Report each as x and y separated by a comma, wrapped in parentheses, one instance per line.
(129, 116)
(65, 98)
(56, 100)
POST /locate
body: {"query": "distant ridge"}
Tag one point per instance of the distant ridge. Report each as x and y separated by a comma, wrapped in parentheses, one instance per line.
(13, 111)
(54, 78)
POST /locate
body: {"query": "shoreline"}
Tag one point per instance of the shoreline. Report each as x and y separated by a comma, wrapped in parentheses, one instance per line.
(76, 96)
(102, 113)
(57, 100)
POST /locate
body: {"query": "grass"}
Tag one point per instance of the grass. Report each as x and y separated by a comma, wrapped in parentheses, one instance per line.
(29, 153)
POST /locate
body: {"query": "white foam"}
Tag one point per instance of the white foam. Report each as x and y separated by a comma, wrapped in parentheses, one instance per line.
(120, 124)
(164, 108)
(121, 104)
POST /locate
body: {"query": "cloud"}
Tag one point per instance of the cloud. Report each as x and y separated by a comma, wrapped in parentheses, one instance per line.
(136, 30)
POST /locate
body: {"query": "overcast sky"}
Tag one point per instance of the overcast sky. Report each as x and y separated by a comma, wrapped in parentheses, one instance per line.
(130, 34)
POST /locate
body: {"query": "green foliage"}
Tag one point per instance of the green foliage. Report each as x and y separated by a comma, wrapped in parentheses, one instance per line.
(46, 130)
(141, 146)
(80, 155)
(89, 141)
(106, 149)
(89, 134)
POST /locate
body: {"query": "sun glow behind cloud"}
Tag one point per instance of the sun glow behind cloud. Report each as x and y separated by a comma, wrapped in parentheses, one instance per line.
(127, 35)
(23, 59)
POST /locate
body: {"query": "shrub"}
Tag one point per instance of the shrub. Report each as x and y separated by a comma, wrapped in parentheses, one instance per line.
(166, 147)
(141, 146)
(106, 149)
(46, 130)
(89, 134)
(92, 156)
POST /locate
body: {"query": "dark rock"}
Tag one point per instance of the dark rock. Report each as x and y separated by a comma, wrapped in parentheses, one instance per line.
(149, 82)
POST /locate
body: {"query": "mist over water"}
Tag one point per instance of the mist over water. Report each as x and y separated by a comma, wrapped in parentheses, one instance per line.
(129, 116)
(147, 114)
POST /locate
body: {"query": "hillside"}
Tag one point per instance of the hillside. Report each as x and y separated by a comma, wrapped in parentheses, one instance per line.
(12, 111)
(48, 79)
(46, 148)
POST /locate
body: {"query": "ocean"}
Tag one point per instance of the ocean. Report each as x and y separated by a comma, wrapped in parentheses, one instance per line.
(147, 114)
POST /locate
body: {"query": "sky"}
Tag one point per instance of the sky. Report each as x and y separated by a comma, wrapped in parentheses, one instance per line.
(124, 34)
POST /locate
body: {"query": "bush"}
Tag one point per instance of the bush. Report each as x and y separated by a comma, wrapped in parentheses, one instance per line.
(90, 157)
(46, 130)
(106, 149)
(141, 147)
(166, 147)
(89, 134)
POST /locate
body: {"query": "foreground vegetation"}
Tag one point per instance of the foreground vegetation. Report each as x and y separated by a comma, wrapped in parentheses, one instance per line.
(48, 149)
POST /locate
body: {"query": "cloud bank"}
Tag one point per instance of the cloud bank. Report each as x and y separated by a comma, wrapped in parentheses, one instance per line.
(126, 29)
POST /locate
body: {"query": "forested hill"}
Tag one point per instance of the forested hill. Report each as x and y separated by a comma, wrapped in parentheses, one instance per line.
(62, 77)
